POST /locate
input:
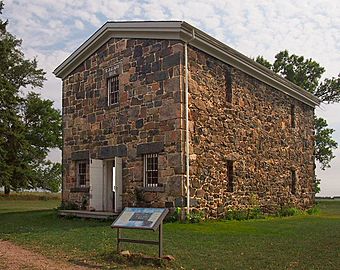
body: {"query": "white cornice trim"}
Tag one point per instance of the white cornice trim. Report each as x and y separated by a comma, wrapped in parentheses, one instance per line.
(178, 30)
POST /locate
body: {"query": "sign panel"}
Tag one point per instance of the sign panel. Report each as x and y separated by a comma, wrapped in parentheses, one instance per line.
(140, 218)
(114, 70)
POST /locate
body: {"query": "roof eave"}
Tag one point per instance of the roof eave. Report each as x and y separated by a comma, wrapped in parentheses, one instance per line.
(182, 31)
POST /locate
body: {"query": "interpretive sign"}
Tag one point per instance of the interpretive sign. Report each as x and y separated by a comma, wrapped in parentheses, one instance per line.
(140, 218)
(144, 219)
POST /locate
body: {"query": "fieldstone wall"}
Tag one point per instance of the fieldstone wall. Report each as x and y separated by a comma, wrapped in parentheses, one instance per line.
(251, 127)
(255, 132)
(148, 117)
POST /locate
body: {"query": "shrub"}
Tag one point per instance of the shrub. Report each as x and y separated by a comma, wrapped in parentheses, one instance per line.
(244, 214)
(175, 216)
(195, 217)
(287, 211)
(313, 211)
(255, 213)
(68, 206)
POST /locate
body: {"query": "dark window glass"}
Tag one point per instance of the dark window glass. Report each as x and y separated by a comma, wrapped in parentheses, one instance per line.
(151, 170)
(81, 173)
(229, 90)
(292, 116)
(230, 175)
(113, 90)
(293, 183)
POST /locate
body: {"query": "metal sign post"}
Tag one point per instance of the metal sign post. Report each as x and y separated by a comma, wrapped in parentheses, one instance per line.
(143, 219)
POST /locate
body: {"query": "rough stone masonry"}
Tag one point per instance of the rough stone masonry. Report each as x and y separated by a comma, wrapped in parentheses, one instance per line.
(241, 130)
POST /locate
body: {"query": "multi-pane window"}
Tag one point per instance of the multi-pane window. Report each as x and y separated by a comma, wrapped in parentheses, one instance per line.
(81, 173)
(293, 181)
(230, 175)
(151, 170)
(113, 90)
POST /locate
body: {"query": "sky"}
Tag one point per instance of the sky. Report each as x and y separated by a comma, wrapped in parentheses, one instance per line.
(51, 30)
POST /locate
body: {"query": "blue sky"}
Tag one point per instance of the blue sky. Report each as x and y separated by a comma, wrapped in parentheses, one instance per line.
(51, 30)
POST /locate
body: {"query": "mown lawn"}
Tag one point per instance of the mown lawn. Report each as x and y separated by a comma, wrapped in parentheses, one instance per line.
(300, 242)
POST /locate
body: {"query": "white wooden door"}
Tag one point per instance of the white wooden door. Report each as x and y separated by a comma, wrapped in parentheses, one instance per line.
(96, 185)
(118, 183)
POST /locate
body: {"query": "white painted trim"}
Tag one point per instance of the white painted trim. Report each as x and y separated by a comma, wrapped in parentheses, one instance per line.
(178, 30)
(187, 147)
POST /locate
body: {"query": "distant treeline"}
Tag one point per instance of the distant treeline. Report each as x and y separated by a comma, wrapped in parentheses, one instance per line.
(328, 198)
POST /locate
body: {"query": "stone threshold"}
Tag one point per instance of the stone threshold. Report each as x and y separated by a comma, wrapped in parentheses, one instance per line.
(88, 214)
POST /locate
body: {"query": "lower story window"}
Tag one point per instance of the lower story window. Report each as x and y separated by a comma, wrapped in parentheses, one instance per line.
(151, 170)
(230, 175)
(81, 173)
(293, 181)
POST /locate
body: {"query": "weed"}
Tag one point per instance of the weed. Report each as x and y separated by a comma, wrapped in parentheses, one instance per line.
(286, 211)
(195, 217)
(175, 216)
(313, 211)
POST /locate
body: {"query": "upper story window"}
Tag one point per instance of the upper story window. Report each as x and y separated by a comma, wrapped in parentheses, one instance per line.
(113, 90)
(292, 116)
(81, 173)
(151, 170)
(229, 90)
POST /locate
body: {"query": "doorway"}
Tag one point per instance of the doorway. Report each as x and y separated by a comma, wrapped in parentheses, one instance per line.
(106, 185)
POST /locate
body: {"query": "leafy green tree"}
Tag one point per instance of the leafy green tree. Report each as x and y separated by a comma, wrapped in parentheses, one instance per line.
(48, 175)
(29, 125)
(307, 74)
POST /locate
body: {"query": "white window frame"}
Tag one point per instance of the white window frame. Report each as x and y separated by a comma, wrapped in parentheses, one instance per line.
(78, 164)
(114, 92)
(154, 169)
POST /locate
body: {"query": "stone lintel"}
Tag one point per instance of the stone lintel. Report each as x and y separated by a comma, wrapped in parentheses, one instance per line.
(150, 148)
(80, 189)
(113, 151)
(80, 155)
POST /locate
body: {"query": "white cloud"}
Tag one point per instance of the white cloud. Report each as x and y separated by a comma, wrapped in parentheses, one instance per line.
(79, 24)
(51, 30)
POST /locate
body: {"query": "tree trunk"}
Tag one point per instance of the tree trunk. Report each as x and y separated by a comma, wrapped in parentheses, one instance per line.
(7, 190)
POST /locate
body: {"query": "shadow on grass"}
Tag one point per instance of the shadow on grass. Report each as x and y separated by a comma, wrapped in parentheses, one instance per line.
(133, 260)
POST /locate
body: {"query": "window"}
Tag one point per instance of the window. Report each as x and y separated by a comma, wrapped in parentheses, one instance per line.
(113, 90)
(151, 170)
(292, 116)
(293, 181)
(230, 175)
(229, 90)
(81, 173)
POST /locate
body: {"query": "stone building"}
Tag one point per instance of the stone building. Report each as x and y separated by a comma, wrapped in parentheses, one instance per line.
(138, 96)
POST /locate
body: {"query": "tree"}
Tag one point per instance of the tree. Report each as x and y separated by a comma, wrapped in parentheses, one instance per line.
(29, 125)
(307, 74)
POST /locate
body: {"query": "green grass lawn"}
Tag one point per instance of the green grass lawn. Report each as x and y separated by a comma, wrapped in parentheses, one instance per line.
(299, 242)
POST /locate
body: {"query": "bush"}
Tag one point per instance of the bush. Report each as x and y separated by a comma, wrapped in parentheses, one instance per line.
(68, 206)
(244, 214)
(287, 211)
(313, 211)
(255, 213)
(175, 216)
(195, 217)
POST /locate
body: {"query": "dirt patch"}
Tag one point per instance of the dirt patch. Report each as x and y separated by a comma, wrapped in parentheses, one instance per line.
(13, 257)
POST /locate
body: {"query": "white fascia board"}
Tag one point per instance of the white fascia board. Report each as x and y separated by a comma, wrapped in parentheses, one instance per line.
(182, 31)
